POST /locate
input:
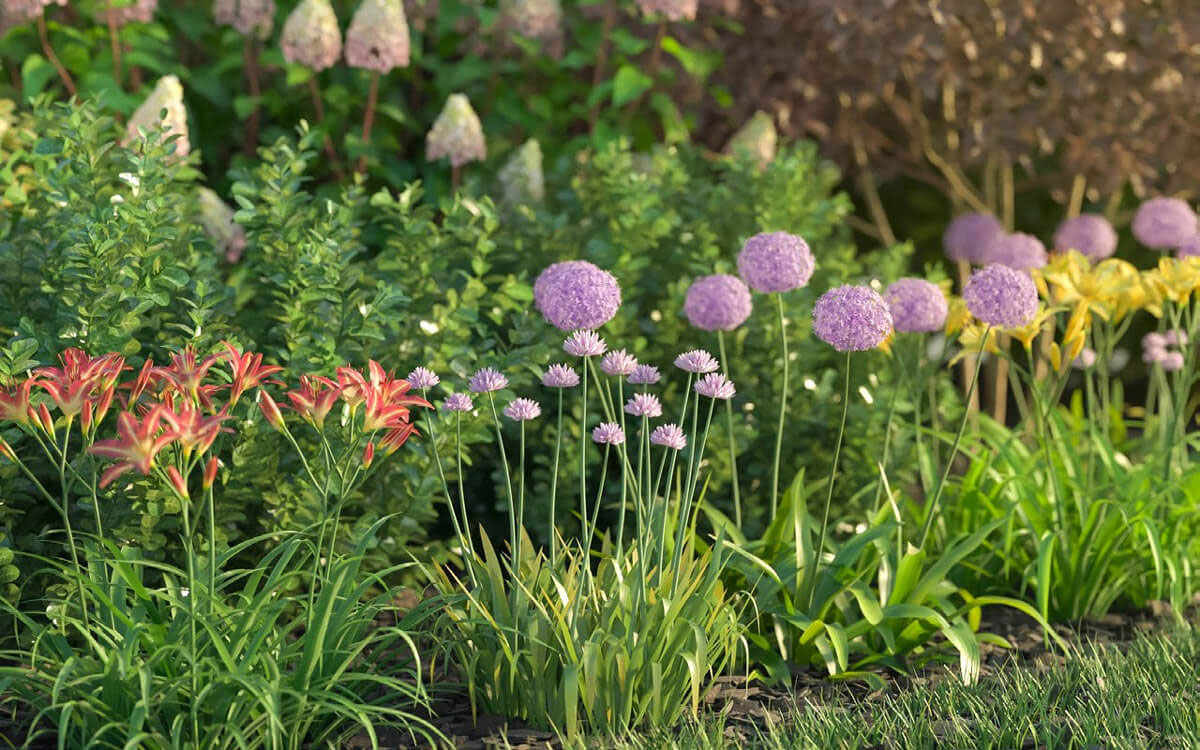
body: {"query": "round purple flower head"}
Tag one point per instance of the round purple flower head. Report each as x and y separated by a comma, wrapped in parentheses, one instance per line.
(1001, 297)
(968, 235)
(522, 410)
(458, 402)
(1190, 247)
(776, 262)
(1090, 234)
(560, 376)
(1175, 337)
(584, 344)
(575, 295)
(669, 436)
(917, 306)
(1172, 361)
(852, 318)
(608, 433)
(717, 303)
(697, 361)
(1086, 358)
(619, 362)
(716, 385)
(1164, 223)
(644, 405)
(644, 375)
(1154, 340)
(1018, 250)
(487, 380)
(422, 378)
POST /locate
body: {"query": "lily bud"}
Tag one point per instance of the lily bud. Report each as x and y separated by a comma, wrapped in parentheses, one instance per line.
(210, 471)
(177, 482)
(270, 410)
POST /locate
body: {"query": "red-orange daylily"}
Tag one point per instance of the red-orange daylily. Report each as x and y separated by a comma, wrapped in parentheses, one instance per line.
(190, 428)
(248, 371)
(315, 398)
(139, 443)
(14, 404)
(186, 373)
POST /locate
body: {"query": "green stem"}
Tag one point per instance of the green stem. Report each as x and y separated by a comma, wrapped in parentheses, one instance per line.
(583, 453)
(437, 457)
(521, 496)
(818, 552)
(782, 411)
(733, 468)
(66, 515)
(514, 552)
(553, 529)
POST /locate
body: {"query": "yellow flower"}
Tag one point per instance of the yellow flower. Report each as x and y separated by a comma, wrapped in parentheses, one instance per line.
(1030, 331)
(957, 316)
(970, 339)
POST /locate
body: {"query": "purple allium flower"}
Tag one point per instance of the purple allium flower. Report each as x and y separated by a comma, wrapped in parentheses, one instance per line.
(1086, 358)
(311, 36)
(644, 375)
(716, 385)
(968, 235)
(167, 95)
(1018, 250)
(584, 344)
(1152, 354)
(619, 362)
(522, 410)
(717, 303)
(1175, 337)
(486, 380)
(1000, 296)
(917, 306)
(457, 402)
(456, 134)
(608, 433)
(1190, 247)
(672, 10)
(422, 378)
(852, 318)
(1164, 223)
(1172, 361)
(250, 17)
(1154, 340)
(644, 405)
(776, 262)
(697, 361)
(560, 376)
(378, 36)
(1090, 234)
(575, 295)
(670, 436)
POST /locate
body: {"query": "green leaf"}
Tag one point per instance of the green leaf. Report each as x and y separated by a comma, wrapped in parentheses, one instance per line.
(629, 84)
(695, 62)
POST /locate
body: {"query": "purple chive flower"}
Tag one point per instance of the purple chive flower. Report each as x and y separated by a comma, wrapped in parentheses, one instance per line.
(852, 318)
(644, 405)
(584, 344)
(669, 436)
(608, 434)
(916, 305)
(458, 402)
(1164, 223)
(1019, 251)
(422, 378)
(560, 376)
(644, 375)
(1086, 358)
(1175, 337)
(717, 303)
(716, 385)
(1002, 297)
(776, 262)
(619, 362)
(576, 295)
(968, 235)
(1154, 340)
(1090, 234)
(486, 380)
(1152, 354)
(522, 410)
(697, 361)
(1190, 248)
(1171, 361)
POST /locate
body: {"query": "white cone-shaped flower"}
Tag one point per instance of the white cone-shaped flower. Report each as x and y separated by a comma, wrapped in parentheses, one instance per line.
(378, 36)
(249, 17)
(521, 179)
(216, 217)
(457, 134)
(311, 36)
(150, 116)
(757, 137)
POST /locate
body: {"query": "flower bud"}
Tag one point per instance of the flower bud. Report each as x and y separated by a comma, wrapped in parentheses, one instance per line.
(270, 410)
(177, 482)
(368, 455)
(210, 471)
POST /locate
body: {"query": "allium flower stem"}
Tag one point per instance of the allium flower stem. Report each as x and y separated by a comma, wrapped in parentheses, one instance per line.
(554, 484)
(583, 515)
(369, 118)
(661, 530)
(462, 502)
(624, 471)
(463, 538)
(783, 394)
(733, 478)
(937, 495)
(685, 511)
(521, 496)
(512, 516)
(590, 532)
(48, 49)
(819, 550)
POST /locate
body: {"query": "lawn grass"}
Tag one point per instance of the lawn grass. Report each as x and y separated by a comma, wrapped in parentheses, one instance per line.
(1141, 697)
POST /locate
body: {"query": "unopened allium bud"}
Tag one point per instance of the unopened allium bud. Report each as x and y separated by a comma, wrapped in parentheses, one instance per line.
(757, 138)
(217, 219)
(378, 36)
(521, 178)
(167, 96)
(672, 10)
(457, 134)
(250, 17)
(311, 36)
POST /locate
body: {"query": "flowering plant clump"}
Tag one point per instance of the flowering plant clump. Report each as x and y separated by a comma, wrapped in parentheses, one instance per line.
(575, 295)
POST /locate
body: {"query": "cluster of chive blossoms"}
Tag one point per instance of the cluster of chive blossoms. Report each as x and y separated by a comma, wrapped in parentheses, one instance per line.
(1165, 349)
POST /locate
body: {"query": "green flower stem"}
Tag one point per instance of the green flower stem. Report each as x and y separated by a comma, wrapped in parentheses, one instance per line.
(430, 419)
(462, 501)
(692, 480)
(661, 530)
(819, 550)
(783, 394)
(66, 516)
(514, 551)
(553, 529)
(521, 495)
(591, 530)
(212, 547)
(733, 468)
(583, 513)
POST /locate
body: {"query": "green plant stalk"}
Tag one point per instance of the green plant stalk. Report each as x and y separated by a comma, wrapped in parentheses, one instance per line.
(462, 502)
(521, 496)
(553, 528)
(193, 672)
(591, 529)
(66, 516)
(583, 516)
(685, 514)
(212, 548)
(458, 528)
(891, 417)
(661, 531)
(512, 516)
(937, 495)
(819, 550)
(783, 394)
(624, 455)
(733, 469)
